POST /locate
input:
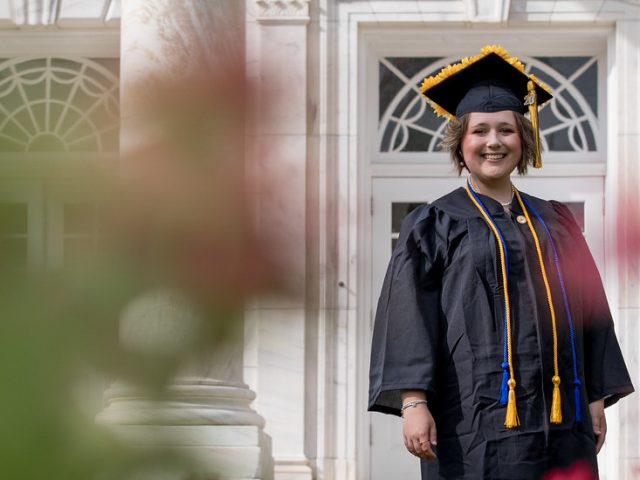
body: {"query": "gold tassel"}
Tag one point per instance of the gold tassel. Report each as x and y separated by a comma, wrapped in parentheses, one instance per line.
(512, 420)
(532, 101)
(556, 409)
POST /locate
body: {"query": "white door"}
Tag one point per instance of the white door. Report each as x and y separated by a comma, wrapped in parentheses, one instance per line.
(393, 198)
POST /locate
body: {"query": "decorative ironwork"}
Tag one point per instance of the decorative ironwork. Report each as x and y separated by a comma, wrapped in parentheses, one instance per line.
(58, 105)
(569, 124)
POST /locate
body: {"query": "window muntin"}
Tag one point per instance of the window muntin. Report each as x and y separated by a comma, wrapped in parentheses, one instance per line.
(81, 231)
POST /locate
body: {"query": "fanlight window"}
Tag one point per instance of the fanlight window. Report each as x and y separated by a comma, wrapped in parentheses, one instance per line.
(570, 123)
(57, 105)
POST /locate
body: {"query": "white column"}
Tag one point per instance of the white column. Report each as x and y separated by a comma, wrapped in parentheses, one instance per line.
(627, 179)
(205, 412)
(277, 362)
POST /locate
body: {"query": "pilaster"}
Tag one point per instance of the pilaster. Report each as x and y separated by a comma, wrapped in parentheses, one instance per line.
(627, 61)
(205, 411)
(275, 360)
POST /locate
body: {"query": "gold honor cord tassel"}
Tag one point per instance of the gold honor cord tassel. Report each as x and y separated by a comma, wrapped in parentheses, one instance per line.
(556, 410)
(511, 419)
(532, 102)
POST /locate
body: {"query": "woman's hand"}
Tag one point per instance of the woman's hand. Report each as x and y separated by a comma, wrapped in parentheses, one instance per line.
(599, 422)
(418, 427)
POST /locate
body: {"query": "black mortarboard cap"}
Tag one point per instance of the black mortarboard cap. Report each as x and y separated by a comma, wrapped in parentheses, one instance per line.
(491, 81)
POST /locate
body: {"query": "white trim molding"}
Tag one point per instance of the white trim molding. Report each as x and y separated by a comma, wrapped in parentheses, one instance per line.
(283, 11)
(25, 14)
(82, 43)
(392, 22)
(490, 11)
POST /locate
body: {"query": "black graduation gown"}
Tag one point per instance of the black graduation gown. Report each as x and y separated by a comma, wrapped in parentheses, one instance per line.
(439, 328)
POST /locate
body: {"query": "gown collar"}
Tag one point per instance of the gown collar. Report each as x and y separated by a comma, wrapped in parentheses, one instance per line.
(457, 203)
(493, 206)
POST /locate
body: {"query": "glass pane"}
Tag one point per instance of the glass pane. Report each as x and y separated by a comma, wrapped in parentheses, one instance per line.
(13, 253)
(79, 218)
(81, 233)
(408, 124)
(390, 82)
(399, 210)
(577, 209)
(13, 218)
(586, 81)
(77, 249)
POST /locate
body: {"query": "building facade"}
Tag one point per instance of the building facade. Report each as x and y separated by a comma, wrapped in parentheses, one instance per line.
(354, 147)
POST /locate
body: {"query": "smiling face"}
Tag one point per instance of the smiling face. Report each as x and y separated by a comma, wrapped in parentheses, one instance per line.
(491, 146)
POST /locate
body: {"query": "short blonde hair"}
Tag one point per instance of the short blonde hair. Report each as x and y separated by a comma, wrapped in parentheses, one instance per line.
(456, 128)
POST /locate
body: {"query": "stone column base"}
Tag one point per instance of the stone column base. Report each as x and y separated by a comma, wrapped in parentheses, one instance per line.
(206, 421)
(293, 468)
(221, 452)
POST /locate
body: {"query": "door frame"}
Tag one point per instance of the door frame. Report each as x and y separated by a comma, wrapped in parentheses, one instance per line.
(370, 43)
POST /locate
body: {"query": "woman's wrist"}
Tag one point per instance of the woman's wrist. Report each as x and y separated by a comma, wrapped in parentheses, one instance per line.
(411, 399)
(411, 404)
(411, 395)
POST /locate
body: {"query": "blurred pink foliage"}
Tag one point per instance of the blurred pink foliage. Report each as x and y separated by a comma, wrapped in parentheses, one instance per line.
(628, 229)
(580, 470)
(190, 197)
(177, 214)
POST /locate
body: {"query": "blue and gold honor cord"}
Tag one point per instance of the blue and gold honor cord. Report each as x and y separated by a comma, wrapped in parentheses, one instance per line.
(508, 377)
(567, 310)
(507, 390)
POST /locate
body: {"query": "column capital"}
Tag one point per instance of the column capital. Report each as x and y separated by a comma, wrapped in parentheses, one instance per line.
(283, 11)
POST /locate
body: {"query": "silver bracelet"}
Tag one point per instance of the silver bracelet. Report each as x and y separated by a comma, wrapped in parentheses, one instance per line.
(412, 403)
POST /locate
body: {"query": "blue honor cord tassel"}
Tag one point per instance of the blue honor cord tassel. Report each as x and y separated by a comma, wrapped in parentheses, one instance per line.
(576, 395)
(504, 388)
(576, 378)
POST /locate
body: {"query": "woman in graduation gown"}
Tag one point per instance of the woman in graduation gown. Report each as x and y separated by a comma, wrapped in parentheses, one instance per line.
(493, 338)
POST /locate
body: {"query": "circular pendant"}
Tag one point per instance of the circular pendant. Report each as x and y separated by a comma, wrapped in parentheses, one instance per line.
(521, 219)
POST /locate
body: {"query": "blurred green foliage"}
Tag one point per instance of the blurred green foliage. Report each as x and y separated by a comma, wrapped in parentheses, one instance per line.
(176, 218)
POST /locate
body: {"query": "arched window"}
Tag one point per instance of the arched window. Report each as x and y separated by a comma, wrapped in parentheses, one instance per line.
(58, 105)
(58, 115)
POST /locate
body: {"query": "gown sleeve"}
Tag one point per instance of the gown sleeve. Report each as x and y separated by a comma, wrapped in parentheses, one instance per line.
(605, 372)
(405, 334)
